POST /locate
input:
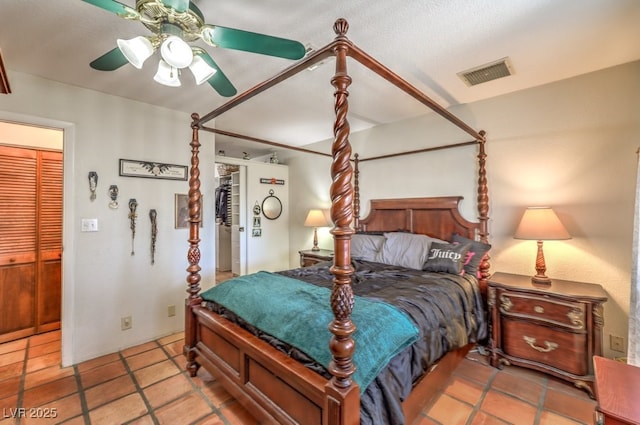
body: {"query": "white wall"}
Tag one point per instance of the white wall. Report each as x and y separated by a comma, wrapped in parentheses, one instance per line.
(102, 281)
(570, 145)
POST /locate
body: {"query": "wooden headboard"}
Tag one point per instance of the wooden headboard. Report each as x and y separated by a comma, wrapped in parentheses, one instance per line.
(436, 217)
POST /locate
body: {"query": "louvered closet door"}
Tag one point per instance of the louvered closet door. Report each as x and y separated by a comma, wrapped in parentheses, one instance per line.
(30, 241)
(49, 292)
(18, 197)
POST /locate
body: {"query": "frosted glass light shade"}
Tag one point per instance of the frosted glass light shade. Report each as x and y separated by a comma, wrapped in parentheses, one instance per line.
(167, 75)
(176, 52)
(137, 50)
(201, 70)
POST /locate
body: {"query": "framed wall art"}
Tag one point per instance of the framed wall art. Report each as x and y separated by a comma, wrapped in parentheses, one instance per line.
(181, 205)
(152, 170)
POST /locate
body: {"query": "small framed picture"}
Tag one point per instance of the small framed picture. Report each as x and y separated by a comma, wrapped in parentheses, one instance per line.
(256, 221)
(256, 233)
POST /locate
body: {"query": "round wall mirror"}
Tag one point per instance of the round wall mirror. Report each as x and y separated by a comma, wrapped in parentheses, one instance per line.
(271, 206)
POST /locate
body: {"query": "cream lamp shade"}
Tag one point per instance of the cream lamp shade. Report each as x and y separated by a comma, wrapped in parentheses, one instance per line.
(541, 224)
(315, 219)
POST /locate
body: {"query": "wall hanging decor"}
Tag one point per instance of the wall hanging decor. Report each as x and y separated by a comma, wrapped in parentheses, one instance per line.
(93, 184)
(271, 206)
(153, 216)
(152, 170)
(133, 204)
(113, 195)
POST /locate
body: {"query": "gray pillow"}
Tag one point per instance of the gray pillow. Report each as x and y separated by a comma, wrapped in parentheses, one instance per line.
(366, 247)
(447, 258)
(405, 250)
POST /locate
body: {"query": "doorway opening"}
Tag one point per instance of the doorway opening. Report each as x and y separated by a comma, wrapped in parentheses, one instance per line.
(230, 206)
(31, 175)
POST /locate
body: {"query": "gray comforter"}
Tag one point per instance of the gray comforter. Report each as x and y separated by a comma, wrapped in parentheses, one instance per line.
(447, 309)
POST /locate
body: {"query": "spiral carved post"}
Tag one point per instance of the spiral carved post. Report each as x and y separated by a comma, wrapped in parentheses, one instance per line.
(356, 193)
(483, 208)
(342, 345)
(193, 255)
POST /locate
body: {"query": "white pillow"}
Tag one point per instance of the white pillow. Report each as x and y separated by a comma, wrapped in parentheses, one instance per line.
(405, 250)
(366, 247)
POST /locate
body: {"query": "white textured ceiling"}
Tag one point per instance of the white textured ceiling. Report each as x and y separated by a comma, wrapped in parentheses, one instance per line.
(426, 41)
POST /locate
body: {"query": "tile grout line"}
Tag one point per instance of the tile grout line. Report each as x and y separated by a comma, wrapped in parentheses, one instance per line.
(197, 389)
(477, 406)
(23, 378)
(139, 389)
(81, 394)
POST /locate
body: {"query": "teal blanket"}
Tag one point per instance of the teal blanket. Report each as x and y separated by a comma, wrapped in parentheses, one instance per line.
(299, 314)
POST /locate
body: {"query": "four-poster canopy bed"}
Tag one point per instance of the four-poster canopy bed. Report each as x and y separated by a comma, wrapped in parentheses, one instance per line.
(270, 380)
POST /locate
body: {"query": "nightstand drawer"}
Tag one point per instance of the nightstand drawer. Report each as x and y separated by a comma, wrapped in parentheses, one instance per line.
(552, 311)
(553, 347)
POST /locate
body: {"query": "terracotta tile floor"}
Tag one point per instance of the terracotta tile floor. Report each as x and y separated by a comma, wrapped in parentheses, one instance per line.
(147, 384)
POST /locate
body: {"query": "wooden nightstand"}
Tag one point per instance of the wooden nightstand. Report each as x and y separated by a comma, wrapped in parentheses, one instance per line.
(554, 328)
(309, 257)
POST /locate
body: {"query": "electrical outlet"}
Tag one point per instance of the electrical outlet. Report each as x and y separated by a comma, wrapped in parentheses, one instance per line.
(171, 310)
(616, 343)
(125, 323)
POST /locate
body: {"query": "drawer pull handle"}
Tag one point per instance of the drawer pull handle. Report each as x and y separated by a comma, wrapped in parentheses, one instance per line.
(538, 309)
(549, 346)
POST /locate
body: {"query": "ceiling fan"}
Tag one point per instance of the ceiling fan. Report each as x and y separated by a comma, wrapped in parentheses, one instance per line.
(175, 24)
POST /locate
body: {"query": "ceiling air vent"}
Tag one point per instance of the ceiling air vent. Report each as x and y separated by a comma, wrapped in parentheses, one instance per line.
(483, 73)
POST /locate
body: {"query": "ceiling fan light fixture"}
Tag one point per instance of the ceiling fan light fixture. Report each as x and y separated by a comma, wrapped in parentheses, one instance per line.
(167, 75)
(176, 52)
(201, 70)
(137, 50)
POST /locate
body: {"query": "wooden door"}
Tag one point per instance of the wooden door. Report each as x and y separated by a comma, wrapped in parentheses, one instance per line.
(30, 241)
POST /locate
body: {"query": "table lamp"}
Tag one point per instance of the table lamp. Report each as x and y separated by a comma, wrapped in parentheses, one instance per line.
(315, 219)
(540, 224)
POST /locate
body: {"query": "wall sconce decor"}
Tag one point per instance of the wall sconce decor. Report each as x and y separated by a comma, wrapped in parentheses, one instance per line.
(133, 204)
(540, 224)
(153, 216)
(93, 184)
(315, 219)
(113, 194)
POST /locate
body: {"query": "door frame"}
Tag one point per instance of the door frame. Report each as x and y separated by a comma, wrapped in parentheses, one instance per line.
(68, 217)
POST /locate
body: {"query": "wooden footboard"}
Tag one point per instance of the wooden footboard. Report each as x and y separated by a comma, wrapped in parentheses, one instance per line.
(277, 389)
(272, 386)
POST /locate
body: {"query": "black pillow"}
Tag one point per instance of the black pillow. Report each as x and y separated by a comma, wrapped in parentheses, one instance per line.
(446, 257)
(476, 253)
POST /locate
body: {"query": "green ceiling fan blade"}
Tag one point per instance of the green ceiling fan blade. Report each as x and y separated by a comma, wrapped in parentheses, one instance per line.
(110, 61)
(219, 81)
(114, 7)
(177, 5)
(230, 38)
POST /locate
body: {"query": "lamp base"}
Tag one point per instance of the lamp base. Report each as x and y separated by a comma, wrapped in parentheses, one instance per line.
(541, 280)
(315, 240)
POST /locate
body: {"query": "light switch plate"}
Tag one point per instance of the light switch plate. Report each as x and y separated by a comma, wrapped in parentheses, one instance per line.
(89, 225)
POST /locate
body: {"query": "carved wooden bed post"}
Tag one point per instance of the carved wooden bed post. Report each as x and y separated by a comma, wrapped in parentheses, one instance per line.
(342, 345)
(193, 255)
(483, 209)
(356, 193)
